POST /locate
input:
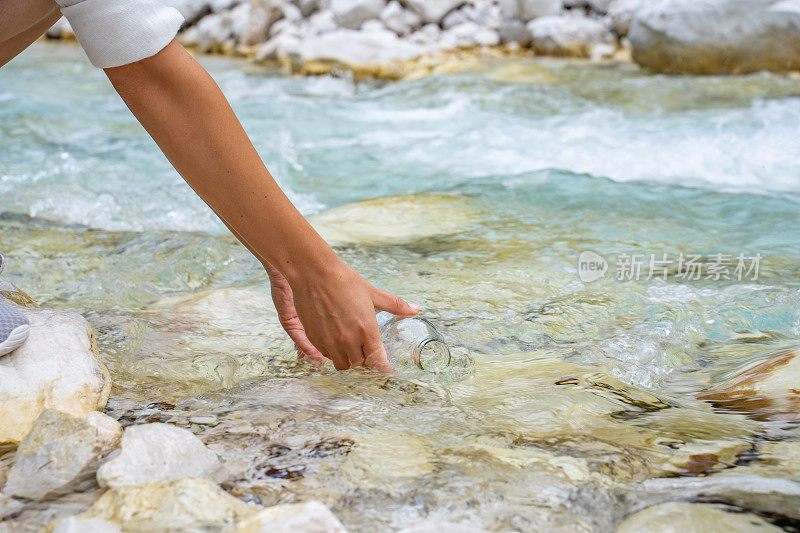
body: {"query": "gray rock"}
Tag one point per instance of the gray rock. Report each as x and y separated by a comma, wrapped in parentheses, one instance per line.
(192, 10)
(568, 35)
(263, 14)
(159, 452)
(309, 517)
(515, 31)
(307, 7)
(61, 454)
(57, 368)
(717, 36)
(353, 13)
(599, 6)
(400, 20)
(433, 10)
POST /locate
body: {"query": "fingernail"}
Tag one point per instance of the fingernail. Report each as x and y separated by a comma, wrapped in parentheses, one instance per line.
(415, 307)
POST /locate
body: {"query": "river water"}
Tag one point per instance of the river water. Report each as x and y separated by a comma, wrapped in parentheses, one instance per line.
(473, 194)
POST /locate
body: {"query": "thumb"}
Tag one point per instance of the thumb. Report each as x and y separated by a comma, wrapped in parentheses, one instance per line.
(383, 301)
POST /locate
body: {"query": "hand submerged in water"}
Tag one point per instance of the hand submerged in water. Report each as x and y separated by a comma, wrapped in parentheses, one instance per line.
(335, 311)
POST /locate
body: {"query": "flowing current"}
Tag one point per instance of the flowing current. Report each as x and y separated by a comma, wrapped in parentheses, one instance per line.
(473, 194)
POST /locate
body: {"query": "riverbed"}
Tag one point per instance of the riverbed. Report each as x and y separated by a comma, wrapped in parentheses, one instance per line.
(473, 194)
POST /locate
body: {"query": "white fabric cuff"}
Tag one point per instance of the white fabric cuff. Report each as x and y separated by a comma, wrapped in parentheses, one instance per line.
(118, 32)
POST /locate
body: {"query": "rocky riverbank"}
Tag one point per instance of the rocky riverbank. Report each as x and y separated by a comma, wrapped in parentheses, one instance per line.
(407, 38)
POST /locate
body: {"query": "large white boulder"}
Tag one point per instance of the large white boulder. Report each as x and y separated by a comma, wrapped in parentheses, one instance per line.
(309, 517)
(717, 36)
(263, 15)
(433, 10)
(221, 30)
(73, 524)
(353, 13)
(61, 454)
(159, 452)
(57, 368)
(568, 35)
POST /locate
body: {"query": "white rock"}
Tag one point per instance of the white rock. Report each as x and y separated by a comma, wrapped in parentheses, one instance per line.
(526, 10)
(187, 504)
(353, 13)
(159, 452)
(57, 368)
(454, 18)
(398, 19)
(567, 35)
(321, 22)
(469, 34)
(307, 7)
(219, 29)
(280, 45)
(358, 47)
(433, 10)
(74, 524)
(61, 454)
(683, 517)
(622, 12)
(717, 36)
(292, 13)
(309, 517)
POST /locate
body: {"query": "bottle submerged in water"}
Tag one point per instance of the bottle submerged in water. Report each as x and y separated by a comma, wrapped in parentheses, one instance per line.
(415, 342)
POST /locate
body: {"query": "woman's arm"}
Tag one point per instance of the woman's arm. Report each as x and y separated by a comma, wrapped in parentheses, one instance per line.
(22, 22)
(186, 114)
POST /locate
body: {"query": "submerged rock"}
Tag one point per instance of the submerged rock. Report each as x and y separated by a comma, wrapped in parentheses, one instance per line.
(60, 454)
(309, 517)
(187, 504)
(57, 368)
(159, 452)
(396, 219)
(766, 391)
(568, 35)
(717, 36)
(682, 517)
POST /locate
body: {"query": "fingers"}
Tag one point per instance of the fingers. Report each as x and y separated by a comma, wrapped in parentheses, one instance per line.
(383, 301)
(375, 354)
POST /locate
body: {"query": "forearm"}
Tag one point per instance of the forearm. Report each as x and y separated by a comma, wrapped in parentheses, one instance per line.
(14, 40)
(199, 133)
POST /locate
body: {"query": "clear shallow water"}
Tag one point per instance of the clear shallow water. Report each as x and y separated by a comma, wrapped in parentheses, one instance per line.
(582, 391)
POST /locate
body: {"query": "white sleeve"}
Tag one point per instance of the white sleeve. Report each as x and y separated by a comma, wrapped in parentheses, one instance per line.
(118, 32)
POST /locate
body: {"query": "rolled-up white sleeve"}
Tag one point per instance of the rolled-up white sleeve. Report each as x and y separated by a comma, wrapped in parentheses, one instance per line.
(117, 32)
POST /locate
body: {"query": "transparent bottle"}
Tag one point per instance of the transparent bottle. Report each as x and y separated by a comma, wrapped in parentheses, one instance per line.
(413, 341)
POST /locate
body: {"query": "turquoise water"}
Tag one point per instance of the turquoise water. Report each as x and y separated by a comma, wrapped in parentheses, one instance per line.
(507, 173)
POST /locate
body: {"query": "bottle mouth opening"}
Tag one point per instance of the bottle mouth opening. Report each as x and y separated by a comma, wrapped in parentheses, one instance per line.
(432, 355)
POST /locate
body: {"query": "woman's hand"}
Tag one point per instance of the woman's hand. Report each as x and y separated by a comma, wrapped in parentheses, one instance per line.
(283, 299)
(336, 310)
